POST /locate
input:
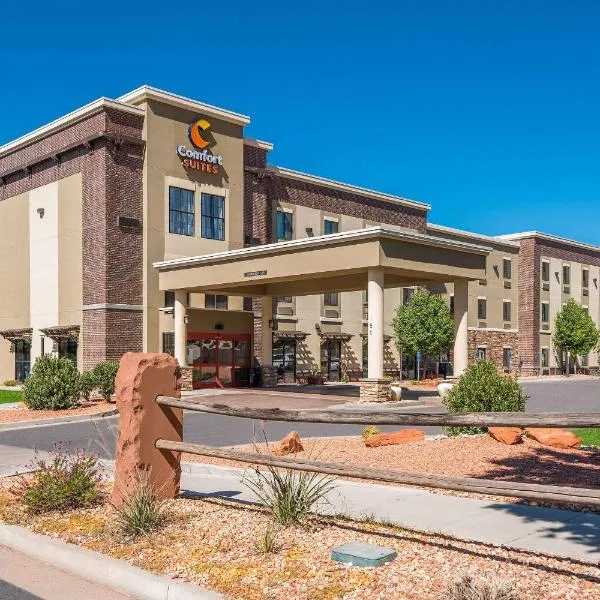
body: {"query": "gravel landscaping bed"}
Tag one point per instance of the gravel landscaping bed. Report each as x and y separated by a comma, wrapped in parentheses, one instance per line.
(475, 456)
(213, 543)
(22, 413)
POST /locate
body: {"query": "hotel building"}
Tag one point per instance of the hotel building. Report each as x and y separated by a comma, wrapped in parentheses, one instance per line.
(151, 223)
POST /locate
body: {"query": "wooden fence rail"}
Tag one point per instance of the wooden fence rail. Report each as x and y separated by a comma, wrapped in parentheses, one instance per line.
(529, 491)
(357, 417)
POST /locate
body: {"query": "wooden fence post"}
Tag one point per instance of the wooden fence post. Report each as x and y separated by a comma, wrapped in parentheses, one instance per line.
(141, 378)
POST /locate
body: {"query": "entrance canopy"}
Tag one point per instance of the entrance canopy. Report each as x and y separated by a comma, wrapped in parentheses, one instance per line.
(337, 262)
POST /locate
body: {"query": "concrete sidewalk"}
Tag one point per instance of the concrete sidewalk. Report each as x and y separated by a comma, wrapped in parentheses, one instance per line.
(564, 533)
(25, 578)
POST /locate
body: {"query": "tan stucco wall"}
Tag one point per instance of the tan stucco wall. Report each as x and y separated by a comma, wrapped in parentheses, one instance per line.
(14, 274)
(165, 128)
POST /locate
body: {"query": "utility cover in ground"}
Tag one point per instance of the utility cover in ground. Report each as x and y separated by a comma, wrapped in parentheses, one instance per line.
(360, 554)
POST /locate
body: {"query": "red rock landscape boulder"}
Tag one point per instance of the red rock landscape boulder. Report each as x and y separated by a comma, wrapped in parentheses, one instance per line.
(506, 435)
(557, 438)
(406, 436)
(290, 444)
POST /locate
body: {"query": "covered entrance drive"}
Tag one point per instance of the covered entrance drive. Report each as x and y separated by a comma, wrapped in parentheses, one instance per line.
(373, 258)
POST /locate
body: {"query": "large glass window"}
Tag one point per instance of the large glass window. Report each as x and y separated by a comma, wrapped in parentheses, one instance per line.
(330, 226)
(407, 295)
(331, 299)
(168, 342)
(545, 312)
(215, 301)
(284, 358)
(506, 358)
(22, 359)
(585, 278)
(68, 349)
(545, 357)
(285, 229)
(566, 274)
(181, 211)
(213, 217)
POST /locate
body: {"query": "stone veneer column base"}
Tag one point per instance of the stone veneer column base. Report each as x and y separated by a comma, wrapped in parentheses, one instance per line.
(268, 376)
(375, 390)
(187, 374)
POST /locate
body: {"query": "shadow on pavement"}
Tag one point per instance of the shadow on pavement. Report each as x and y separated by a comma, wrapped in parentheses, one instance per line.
(8, 591)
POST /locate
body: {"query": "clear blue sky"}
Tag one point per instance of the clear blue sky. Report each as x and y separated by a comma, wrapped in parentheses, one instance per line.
(489, 111)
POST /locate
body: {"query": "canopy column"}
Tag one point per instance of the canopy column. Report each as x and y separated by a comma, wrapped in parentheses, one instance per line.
(267, 371)
(461, 330)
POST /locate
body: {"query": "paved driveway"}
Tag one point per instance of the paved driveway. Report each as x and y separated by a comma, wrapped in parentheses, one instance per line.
(99, 436)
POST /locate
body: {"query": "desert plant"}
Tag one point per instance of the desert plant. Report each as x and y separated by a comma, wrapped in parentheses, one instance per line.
(492, 588)
(368, 431)
(104, 375)
(314, 369)
(63, 481)
(11, 382)
(53, 384)
(267, 541)
(141, 511)
(345, 378)
(87, 384)
(482, 389)
(288, 496)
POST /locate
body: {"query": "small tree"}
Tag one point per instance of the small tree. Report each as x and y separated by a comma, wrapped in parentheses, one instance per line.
(574, 331)
(423, 325)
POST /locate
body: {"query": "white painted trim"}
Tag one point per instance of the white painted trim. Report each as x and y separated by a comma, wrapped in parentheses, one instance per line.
(497, 329)
(345, 187)
(146, 92)
(549, 237)
(286, 318)
(67, 121)
(321, 240)
(112, 306)
(478, 236)
(258, 144)
(332, 320)
(332, 219)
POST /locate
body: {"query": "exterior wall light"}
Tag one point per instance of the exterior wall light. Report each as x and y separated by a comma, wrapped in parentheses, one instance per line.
(41, 211)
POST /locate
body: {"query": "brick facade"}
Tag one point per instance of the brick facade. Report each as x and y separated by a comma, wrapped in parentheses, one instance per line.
(494, 343)
(107, 149)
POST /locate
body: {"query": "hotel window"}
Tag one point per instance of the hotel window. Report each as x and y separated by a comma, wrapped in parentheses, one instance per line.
(181, 211)
(168, 342)
(285, 230)
(169, 299)
(407, 294)
(566, 275)
(213, 217)
(331, 299)
(215, 301)
(506, 358)
(330, 226)
(286, 299)
(545, 312)
(585, 278)
(480, 353)
(507, 268)
(545, 271)
(545, 356)
(481, 308)
(585, 361)
(452, 305)
(506, 310)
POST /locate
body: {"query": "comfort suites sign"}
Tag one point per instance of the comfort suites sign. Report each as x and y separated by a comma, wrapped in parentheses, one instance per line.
(199, 157)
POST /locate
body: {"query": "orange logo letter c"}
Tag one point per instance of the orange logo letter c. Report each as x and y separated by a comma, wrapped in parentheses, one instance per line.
(194, 133)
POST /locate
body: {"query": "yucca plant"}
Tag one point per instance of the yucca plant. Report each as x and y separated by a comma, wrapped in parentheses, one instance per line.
(288, 496)
(142, 511)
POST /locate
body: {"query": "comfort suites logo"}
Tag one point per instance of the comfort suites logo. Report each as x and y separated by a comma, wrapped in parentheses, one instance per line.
(199, 158)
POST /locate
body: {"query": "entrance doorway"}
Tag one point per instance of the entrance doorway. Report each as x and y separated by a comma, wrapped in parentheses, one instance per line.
(284, 358)
(331, 353)
(221, 360)
(22, 359)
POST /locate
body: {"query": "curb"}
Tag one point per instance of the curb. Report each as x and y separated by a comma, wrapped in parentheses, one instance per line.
(57, 420)
(100, 569)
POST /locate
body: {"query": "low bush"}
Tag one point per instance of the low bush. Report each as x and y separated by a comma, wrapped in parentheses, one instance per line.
(492, 588)
(87, 384)
(369, 431)
(64, 481)
(53, 384)
(11, 382)
(104, 375)
(482, 389)
(288, 496)
(141, 511)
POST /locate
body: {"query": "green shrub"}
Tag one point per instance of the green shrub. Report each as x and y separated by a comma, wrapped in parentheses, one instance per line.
(104, 375)
(53, 384)
(288, 496)
(141, 511)
(368, 431)
(482, 389)
(64, 481)
(11, 382)
(87, 384)
(345, 378)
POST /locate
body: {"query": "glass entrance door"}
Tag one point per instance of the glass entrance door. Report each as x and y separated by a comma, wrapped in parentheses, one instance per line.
(22, 359)
(219, 360)
(284, 358)
(331, 352)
